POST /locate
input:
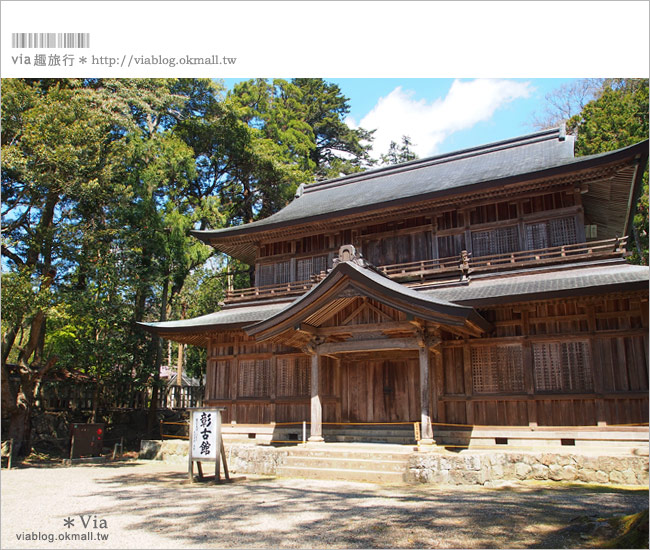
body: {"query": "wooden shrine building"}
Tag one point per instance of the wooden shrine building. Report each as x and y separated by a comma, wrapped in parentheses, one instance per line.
(485, 287)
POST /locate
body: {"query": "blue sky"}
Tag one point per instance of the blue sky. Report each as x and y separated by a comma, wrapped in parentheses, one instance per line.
(443, 114)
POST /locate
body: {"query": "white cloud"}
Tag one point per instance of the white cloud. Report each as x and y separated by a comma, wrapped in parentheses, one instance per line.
(429, 123)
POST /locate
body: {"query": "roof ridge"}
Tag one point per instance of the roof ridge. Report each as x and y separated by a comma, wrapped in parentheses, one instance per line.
(536, 137)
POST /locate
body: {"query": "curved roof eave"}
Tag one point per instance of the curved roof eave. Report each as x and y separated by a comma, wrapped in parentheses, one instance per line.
(375, 286)
(225, 319)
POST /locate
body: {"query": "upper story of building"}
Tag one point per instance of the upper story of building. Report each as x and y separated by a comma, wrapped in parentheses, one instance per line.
(510, 205)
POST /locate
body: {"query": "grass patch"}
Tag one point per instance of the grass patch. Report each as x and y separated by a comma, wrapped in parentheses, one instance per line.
(547, 487)
(631, 531)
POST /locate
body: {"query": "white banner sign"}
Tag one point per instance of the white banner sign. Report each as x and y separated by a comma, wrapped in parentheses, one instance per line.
(204, 435)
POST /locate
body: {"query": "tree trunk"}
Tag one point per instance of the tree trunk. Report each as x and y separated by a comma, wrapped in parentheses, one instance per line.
(20, 417)
(20, 430)
(152, 424)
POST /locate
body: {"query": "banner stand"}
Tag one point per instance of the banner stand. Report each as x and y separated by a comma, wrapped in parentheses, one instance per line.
(206, 443)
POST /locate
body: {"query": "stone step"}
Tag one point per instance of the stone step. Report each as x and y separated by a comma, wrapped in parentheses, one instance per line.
(351, 454)
(347, 438)
(343, 463)
(373, 476)
(368, 436)
(391, 430)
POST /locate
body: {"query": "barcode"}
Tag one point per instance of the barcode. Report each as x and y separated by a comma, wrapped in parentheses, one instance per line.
(50, 40)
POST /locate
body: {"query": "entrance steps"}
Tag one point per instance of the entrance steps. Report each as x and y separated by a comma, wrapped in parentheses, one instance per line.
(398, 434)
(354, 462)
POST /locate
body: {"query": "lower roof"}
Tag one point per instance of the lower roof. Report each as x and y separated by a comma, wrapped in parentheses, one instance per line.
(536, 285)
(479, 292)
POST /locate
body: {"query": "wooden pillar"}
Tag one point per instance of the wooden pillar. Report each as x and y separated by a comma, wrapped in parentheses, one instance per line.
(316, 406)
(338, 384)
(427, 428)
(438, 384)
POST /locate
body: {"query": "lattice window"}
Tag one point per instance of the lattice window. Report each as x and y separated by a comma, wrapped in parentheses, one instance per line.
(564, 366)
(536, 236)
(294, 377)
(555, 232)
(497, 369)
(282, 273)
(482, 243)
(562, 231)
(496, 241)
(307, 267)
(254, 378)
(265, 275)
(274, 274)
(506, 239)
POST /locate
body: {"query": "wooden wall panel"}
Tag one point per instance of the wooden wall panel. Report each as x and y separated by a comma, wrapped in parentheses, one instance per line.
(454, 412)
(292, 411)
(453, 371)
(380, 391)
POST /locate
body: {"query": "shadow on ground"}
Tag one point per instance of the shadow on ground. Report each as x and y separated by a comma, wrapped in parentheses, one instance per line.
(292, 513)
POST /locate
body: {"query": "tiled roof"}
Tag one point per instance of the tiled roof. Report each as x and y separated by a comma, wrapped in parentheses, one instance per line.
(415, 179)
(520, 288)
(229, 317)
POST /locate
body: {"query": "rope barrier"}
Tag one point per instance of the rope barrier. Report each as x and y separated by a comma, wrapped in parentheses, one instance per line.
(411, 422)
(289, 423)
(365, 423)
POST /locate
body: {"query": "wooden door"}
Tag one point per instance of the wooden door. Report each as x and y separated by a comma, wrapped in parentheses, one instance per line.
(380, 391)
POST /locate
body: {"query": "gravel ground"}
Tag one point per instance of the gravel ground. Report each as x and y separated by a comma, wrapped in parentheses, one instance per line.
(145, 505)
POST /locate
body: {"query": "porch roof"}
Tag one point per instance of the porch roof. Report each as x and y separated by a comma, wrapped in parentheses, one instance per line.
(349, 280)
(194, 331)
(453, 302)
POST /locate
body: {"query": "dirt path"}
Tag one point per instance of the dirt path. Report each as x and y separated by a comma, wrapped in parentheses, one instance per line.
(150, 505)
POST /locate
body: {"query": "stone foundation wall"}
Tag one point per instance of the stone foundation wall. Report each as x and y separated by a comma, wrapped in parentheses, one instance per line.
(242, 459)
(249, 459)
(464, 468)
(488, 468)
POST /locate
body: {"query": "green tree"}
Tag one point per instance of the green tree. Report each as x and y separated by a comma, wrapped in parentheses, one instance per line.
(99, 198)
(57, 156)
(338, 149)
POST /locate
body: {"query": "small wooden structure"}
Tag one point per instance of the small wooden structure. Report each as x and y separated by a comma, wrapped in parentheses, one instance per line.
(87, 440)
(486, 287)
(206, 442)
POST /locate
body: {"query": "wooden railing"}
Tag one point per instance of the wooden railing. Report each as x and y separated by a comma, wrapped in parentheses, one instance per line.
(182, 397)
(423, 267)
(572, 252)
(272, 291)
(463, 265)
(85, 396)
(523, 258)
